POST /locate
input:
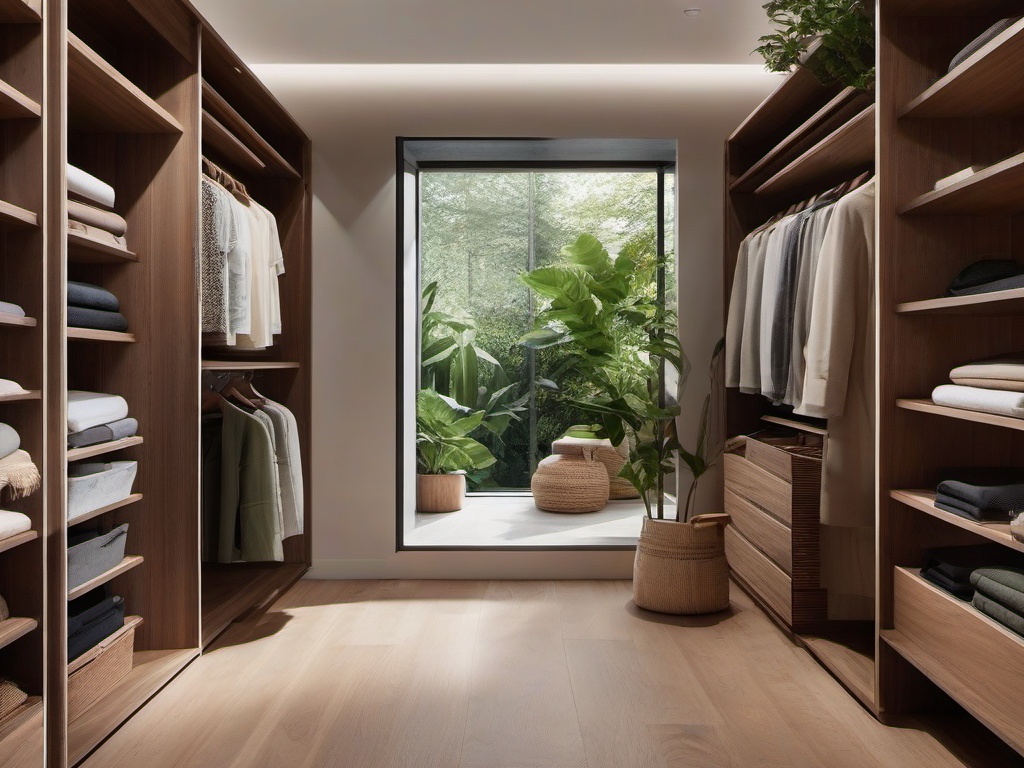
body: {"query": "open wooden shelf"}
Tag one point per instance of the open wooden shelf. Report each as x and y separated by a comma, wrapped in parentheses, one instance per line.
(77, 454)
(101, 99)
(15, 105)
(83, 249)
(92, 514)
(998, 189)
(849, 148)
(91, 334)
(16, 541)
(996, 304)
(849, 654)
(796, 424)
(986, 85)
(927, 406)
(218, 137)
(924, 501)
(230, 120)
(129, 562)
(799, 88)
(21, 11)
(32, 708)
(15, 217)
(22, 322)
(930, 629)
(835, 113)
(14, 629)
(252, 365)
(231, 591)
(17, 397)
(151, 671)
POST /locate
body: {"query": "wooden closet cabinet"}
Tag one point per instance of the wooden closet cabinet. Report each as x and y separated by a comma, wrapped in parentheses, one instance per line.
(135, 92)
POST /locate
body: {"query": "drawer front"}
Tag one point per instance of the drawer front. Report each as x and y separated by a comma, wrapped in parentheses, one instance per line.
(768, 457)
(759, 486)
(978, 662)
(760, 574)
(764, 531)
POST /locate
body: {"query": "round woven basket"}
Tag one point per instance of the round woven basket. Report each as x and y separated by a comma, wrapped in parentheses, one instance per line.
(613, 458)
(680, 568)
(570, 484)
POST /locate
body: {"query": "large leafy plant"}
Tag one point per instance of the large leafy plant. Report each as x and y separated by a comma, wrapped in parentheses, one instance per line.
(846, 55)
(443, 444)
(602, 311)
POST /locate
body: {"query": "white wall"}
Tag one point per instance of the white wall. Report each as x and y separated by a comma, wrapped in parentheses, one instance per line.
(353, 115)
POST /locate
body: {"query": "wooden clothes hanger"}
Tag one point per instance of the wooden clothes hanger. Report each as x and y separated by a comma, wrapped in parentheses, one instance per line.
(242, 387)
(226, 180)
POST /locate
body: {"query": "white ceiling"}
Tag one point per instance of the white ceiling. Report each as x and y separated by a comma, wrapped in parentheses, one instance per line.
(489, 31)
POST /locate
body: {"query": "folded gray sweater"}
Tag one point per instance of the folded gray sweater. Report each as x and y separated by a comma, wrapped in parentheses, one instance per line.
(105, 433)
(1003, 585)
(81, 317)
(92, 297)
(10, 440)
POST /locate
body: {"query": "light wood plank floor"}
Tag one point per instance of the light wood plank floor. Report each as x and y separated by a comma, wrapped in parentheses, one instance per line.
(428, 674)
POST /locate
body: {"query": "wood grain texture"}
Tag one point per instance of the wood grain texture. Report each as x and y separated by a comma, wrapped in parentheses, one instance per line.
(924, 501)
(403, 674)
(225, 144)
(229, 119)
(997, 189)
(997, 303)
(758, 572)
(21, 11)
(129, 562)
(992, 419)
(77, 454)
(87, 250)
(15, 105)
(771, 536)
(17, 540)
(759, 486)
(91, 515)
(15, 628)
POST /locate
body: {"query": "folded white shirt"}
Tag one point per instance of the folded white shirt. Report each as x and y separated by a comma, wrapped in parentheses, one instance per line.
(94, 409)
(87, 186)
(13, 523)
(995, 401)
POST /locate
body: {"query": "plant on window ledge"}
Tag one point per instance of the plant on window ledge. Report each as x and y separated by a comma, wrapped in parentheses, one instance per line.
(845, 28)
(618, 337)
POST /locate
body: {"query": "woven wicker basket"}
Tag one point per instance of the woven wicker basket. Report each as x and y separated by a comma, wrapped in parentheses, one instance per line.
(11, 697)
(570, 484)
(92, 675)
(613, 458)
(680, 568)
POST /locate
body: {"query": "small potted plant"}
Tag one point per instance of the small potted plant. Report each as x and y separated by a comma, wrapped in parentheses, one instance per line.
(445, 451)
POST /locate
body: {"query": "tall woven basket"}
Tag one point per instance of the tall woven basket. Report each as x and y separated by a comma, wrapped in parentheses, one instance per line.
(680, 568)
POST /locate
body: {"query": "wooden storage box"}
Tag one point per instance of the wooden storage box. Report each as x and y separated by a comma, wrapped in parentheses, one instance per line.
(977, 661)
(96, 672)
(773, 492)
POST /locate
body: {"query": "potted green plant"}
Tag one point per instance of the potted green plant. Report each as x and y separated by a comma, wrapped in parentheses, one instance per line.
(445, 451)
(602, 312)
(834, 39)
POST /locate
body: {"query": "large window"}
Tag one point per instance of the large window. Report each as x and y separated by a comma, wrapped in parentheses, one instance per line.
(479, 231)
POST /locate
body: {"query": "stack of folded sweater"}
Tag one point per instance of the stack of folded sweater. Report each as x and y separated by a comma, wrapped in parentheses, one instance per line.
(17, 471)
(982, 494)
(991, 386)
(89, 209)
(999, 594)
(90, 306)
(955, 579)
(94, 418)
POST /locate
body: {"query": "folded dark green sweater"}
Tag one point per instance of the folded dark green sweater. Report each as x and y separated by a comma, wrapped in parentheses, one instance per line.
(999, 613)
(1003, 585)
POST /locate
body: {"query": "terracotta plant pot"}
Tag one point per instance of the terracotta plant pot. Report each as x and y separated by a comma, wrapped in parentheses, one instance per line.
(680, 568)
(440, 493)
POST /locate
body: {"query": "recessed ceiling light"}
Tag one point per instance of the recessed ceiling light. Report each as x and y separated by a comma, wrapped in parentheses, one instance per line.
(691, 12)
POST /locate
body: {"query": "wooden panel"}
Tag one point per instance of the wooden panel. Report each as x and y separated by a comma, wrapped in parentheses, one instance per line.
(229, 146)
(248, 136)
(21, 11)
(32, 394)
(231, 591)
(83, 249)
(91, 334)
(924, 501)
(15, 629)
(14, 320)
(132, 499)
(769, 535)
(930, 630)
(996, 304)
(762, 575)
(849, 654)
(129, 562)
(15, 217)
(987, 84)
(799, 92)
(102, 99)
(16, 541)
(19, 717)
(77, 454)
(998, 189)
(248, 365)
(927, 406)
(759, 486)
(797, 424)
(16, 105)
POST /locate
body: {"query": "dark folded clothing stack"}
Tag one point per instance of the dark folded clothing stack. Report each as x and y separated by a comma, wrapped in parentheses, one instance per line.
(987, 276)
(982, 494)
(90, 306)
(999, 594)
(105, 433)
(955, 579)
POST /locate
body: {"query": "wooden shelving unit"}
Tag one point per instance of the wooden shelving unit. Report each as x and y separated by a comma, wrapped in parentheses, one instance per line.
(17, 540)
(77, 454)
(15, 629)
(249, 365)
(15, 105)
(924, 501)
(93, 514)
(21, 11)
(83, 249)
(978, 417)
(223, 141)
(91, 334)
(15, 321)
(15, 217)
(230, 120)
(996, 190)
(998, 303)
(18, 397)
(797, 424)
(129, 562)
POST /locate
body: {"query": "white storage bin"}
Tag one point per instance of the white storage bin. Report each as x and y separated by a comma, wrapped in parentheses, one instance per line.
(88, 492)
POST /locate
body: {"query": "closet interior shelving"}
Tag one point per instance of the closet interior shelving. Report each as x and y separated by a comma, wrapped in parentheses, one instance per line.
(150, 89)
(804, 139)
(932, 124)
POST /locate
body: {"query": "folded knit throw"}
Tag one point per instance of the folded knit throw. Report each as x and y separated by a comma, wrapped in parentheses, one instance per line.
(105, 433)
(13, 523)
(11, 309)
(92, 297)
(97, 217)
(93, 409)
(984, 400)
(10, 440)
(19, 474)
(81, 317)
(88, 187)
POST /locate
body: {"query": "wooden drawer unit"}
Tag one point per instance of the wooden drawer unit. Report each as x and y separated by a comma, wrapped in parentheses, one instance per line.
(773, 492)
(977, 661)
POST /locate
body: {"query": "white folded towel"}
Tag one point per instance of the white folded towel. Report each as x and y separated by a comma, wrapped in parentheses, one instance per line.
(995, 401)
(11, 309)
(93, 409)
(87, 186)
(8, 387)
(13, 523)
